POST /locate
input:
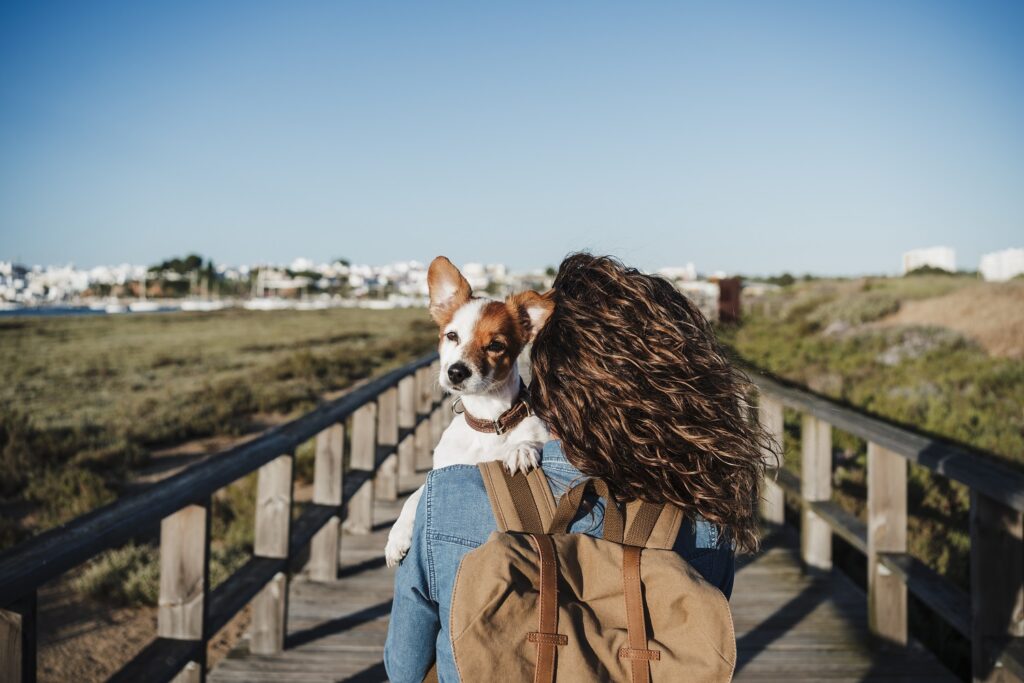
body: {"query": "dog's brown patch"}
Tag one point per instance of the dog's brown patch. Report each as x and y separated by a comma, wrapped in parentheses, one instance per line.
(495, 325)
(531, 311)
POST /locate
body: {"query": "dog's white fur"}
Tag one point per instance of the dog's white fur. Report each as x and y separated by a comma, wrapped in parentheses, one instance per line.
(483, 395)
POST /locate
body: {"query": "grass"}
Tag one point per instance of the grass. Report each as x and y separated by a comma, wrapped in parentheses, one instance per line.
(86, 400)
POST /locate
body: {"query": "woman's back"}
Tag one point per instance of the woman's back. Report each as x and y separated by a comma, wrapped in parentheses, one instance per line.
(455, 517)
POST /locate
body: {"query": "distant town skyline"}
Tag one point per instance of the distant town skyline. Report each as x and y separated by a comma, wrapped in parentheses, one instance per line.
(785, 137)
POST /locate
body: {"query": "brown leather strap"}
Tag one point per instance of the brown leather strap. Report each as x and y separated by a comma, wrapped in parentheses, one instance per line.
(636, 624)
(546, 636)
(570, 503)
(431, 676)
(507, 421)
(643, 523)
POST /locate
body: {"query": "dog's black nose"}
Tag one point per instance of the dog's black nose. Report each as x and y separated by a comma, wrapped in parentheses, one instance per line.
(458, 372)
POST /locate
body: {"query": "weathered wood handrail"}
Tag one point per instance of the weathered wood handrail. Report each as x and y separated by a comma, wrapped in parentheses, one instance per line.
(394, 418)
(991, 615)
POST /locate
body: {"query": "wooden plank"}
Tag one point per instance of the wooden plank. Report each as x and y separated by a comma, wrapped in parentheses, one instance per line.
(162, 660)
(447, 415)
(406, 425)
(11, 634)
(184, 577)
(842, 523)
(52, 553)
(937, 593)
(424, 401)
(359, 517)
(1011, 656)
(227, 599)
(773, 499)
(273, 508)
(386, 481)
(18, 640)
(327, 468)
(306, 525)
(887, 532)
(980, 473)
(815, 485)
(327, 490)
(997, 584)
(424, 449)
(269, 617)
(274, 491)
(192, 672)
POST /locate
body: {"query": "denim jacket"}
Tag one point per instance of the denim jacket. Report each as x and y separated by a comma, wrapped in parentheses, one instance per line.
(454, 516)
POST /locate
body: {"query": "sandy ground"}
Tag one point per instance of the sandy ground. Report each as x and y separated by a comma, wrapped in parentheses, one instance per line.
(992, 314)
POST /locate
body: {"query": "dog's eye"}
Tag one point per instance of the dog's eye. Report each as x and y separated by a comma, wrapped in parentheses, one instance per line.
(495, 347)
(452, 337)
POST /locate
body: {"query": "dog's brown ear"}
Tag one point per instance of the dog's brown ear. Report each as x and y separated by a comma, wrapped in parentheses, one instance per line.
(448, 290)
(531, 311)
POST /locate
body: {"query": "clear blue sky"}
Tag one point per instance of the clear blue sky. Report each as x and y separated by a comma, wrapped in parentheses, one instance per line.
(752, 137)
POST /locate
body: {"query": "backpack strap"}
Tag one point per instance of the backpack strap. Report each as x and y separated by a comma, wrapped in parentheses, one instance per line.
(522, 502)
(636, 624)
(546, 636)
(651, 525)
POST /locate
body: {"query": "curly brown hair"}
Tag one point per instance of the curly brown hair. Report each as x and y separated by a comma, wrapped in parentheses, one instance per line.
(628, 373)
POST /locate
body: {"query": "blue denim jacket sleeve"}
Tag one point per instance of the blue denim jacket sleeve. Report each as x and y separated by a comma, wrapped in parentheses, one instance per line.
(415, 622)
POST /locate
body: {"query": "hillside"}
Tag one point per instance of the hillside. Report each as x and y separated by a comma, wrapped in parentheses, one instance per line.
(940, 354)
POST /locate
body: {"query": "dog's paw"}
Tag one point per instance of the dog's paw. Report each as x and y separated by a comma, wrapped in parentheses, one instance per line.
(522, 457)
(394, 553)
(399, 542)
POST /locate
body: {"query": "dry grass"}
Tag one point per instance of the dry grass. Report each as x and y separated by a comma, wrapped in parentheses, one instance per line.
(992, 314)
(86, 400)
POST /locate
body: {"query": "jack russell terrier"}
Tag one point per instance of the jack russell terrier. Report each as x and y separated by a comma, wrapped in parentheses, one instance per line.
(480, 342)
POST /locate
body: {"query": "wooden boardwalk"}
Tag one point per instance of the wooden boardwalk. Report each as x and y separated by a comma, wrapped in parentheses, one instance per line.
(789, 627)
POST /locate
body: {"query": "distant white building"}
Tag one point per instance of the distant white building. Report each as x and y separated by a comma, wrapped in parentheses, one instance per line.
(686, 273)
(1002, 265)
(936, 257)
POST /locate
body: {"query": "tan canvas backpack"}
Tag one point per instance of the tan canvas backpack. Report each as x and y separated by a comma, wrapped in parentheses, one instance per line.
(537, 603)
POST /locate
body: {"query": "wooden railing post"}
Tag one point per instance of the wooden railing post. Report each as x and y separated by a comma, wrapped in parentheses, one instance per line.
(387, 437)
(359, 519)
(185, 582)
(815, 485)
(424, 398)
(406, 421)
(773, 499)
(997, 584)
(273, 523)
(446, 411)
(328, 478)
(436, 420)
(887, 532)
(18, 641)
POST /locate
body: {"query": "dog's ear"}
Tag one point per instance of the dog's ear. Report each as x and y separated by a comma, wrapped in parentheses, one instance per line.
(448, 290)
(531, 311)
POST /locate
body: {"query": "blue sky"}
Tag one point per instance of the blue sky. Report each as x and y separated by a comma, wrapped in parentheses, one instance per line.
(752, 137)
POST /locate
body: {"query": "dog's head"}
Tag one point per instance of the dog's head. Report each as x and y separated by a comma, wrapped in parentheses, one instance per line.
(480, 339)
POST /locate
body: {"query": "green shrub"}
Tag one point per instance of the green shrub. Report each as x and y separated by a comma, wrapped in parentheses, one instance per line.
(129, 576)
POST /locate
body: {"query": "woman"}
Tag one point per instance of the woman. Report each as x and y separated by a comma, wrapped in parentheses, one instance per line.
(629, 378)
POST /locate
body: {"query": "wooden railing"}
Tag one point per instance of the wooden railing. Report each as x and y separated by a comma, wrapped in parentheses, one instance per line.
(395, 420)
(991, 614)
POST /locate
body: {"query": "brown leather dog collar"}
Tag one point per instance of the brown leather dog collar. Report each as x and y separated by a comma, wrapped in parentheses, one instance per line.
(507, 421)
